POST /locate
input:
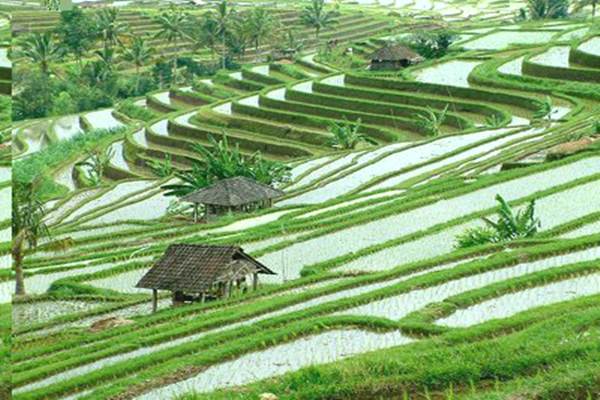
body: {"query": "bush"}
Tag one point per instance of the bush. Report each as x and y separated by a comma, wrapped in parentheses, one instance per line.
(432, 44)
(136, 112)
(222, 162)
(509, 226)
(35, 97)
(135, 86)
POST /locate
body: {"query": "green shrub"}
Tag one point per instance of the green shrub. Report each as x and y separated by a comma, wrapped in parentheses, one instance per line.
(136, 112)
(431, 44)
(222, 162)
(509, 226)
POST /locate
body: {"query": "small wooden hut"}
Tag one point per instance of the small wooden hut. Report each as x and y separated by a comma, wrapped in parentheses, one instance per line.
(233, 194)
(393, 56)
(202, 272)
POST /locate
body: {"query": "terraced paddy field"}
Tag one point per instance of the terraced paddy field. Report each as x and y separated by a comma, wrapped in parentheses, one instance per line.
(372, 295)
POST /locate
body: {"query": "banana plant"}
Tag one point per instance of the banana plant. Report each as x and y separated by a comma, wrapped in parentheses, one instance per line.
(346, 135)
(431, 121)
(96, 164)
(510, 225)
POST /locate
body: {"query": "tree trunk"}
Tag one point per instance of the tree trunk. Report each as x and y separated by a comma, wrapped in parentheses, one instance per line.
(223, 51)
(137, 79)
(175, 65)
(17, 254)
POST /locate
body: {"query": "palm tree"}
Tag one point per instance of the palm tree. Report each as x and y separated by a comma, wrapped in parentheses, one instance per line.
(106, 56)
(239, 37)
(40, 49)
(222, 17)
(315, 16)
(138, 54)
(110, 29)
(346, 135)
(27, 227)
(260, 26)
(208, 35)
(173, 25)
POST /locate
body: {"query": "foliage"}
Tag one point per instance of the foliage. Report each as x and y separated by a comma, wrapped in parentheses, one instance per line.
(177, 208)
(63, 104)
(196, 68)
(76, 32)
(493, 121)
(432, 121)
(346, 135)
(38, 165)
(509, 226)
(545, 109)
(261, 25)
(173, 25)
(132, 111)
(541, 9)
(315, 16)
(40, 49)
(291, 44)
(35, 99)
(431, 44)
(162, 73)
(162, 169)
(221, 161)
(27, 226)
(138, 54)
(219, 23)
(96, 163)
(110, 30)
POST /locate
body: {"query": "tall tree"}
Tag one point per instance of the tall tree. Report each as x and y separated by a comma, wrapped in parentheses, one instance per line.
(316, 17)
(261, 25)
(27, 227)
(173, 27)
(76, 32)
(239, 37)
(40, 49)
(223, 16)
(109, 28)
(208, 34)
(139, 54)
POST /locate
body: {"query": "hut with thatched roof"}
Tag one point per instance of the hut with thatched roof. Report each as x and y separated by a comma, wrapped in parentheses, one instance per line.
(202, 272)
(233, 194)
(393, 56)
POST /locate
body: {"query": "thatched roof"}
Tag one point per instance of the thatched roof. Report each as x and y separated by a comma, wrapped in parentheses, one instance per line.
(194, 268)
(233, 192)
(395, 52)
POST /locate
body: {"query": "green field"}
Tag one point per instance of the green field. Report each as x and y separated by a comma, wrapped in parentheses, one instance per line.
(373, 296)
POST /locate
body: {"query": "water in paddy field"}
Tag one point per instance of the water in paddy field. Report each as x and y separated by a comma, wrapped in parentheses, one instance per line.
(591, 46)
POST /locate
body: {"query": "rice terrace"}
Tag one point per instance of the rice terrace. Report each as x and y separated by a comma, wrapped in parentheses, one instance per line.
(300, 200)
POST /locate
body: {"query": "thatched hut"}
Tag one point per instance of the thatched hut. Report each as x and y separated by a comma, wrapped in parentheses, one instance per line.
(393, 56)
(200, 272)
(233, 194)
